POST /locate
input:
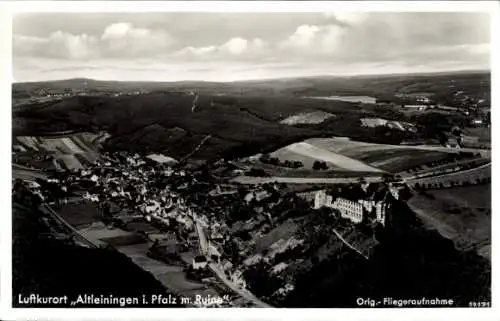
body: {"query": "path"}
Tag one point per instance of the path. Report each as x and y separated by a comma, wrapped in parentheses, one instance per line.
(348, 244)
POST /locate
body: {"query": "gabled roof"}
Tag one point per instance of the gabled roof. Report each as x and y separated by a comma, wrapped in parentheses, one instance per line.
(200, 259)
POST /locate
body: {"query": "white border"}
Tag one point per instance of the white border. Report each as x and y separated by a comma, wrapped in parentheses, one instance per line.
(6, 12)
(249, 6)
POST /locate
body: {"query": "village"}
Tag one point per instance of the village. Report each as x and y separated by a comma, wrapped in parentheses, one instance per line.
(210, 227)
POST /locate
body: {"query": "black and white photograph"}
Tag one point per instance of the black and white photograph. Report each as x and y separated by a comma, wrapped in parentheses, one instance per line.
(244, 159)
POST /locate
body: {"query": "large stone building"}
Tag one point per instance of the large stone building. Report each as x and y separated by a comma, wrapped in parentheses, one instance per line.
(355, 211)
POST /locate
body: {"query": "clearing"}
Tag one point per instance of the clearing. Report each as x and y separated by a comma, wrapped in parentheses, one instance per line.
(376, 122)
(315, 117)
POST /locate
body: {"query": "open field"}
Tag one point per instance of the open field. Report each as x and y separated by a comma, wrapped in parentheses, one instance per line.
(376, 122)
(482, 133)
(338, 160)
(72, 151)
(398, 160)
(462, 214)
(315, 117)
(307, 154)
(343, 154)
(332, 172)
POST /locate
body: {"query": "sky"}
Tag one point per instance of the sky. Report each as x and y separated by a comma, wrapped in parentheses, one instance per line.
(240, 46)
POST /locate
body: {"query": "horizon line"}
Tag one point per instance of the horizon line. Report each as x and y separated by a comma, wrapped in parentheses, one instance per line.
(263, 79)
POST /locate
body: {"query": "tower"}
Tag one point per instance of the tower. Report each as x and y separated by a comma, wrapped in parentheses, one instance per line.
(319, 199)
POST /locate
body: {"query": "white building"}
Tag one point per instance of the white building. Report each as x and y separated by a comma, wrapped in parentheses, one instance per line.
(416, 107)
(322, 199)
(199, 262)
(354, 211)
(237, 278)
(349, 209)
(423, 99)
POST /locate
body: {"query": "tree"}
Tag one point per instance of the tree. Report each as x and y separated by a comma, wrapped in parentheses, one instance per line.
(317, 165)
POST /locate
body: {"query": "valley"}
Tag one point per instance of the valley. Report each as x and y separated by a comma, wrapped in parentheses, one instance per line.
(273, 199)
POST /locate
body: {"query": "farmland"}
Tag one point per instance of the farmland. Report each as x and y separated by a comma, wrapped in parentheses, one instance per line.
(308, 153)
(345, 155)
(71, 151)
(482, 133)
(398, 160)
(462, 214)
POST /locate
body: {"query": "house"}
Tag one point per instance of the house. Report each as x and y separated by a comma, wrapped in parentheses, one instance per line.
(285, 289)
(215, 258)
(223, 190)
(216, 236)
(416, 107)
(237, 278)
(423, 99)
(199, 262)
(477, 122)
(452, 143)
(33, 185)
(256, 195)
(226, 265)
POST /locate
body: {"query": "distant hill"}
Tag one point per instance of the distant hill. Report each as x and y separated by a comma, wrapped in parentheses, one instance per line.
(477, 82)
(165, 123)
(242, 118)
